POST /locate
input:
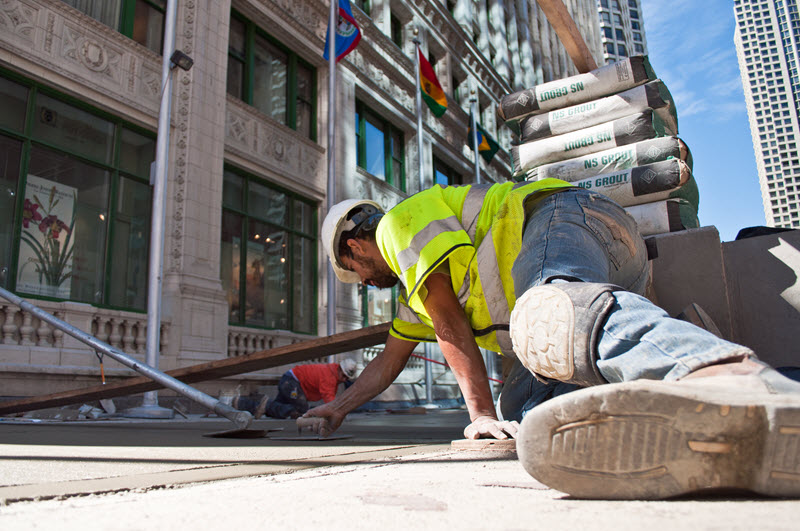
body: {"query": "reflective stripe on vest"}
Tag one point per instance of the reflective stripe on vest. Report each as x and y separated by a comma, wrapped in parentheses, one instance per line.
(407, 314)
(494, 296)
(410, 255)
(472, 207)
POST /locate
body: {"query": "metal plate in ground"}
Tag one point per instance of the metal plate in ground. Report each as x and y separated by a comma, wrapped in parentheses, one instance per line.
(311, 438)
(241, 433)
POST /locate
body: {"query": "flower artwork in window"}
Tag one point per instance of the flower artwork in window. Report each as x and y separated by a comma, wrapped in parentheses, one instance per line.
(48, 225)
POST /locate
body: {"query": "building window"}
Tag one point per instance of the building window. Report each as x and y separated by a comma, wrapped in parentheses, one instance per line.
(378, 304)
(604, 3)
(632, 4)
(634, 14)
(141, 20)
(617, 19)
(75, 199)
(268, 263)
(635, 25)
(606, 17)
(622, 50)
(444, 175)
(620, 35)
(363, 5)
(458, 88)
(379, 147)
(608, 33)
(615, 5)
(397, 30)
(610, 48)
(270, 77)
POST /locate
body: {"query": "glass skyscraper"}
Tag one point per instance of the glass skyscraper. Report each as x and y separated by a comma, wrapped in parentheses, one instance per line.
(767, 39)
(621, 29)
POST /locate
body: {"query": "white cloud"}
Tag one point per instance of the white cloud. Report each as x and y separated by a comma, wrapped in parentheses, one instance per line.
(691, 49)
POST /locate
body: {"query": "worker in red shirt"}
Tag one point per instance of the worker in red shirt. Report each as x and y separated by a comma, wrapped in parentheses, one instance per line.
(299, 386)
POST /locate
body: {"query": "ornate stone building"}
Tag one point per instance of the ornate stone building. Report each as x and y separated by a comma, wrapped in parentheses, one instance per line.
(80, 83)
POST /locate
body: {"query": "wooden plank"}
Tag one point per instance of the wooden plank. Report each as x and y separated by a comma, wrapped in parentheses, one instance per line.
(503, 445)
(566, 29)
(303, 351)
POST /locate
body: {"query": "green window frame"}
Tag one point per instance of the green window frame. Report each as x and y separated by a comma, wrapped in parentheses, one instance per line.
(140, 20)
(277, 288)
(75, 199)
(396, 30)
(445, 175)
(378, 305)
(363, 5)
(380, 147)
(268, 75)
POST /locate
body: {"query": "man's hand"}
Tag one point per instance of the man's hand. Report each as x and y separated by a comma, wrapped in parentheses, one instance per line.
(374, 379)
(491, 428)
(330, 418)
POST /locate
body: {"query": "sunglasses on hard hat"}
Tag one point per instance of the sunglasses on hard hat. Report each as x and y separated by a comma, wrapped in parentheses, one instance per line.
(366, 219)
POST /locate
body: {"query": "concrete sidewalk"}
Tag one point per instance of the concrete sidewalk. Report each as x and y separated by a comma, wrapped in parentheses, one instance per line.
(397, 471)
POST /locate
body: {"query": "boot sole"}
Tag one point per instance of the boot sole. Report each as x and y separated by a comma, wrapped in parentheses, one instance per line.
(655, 440)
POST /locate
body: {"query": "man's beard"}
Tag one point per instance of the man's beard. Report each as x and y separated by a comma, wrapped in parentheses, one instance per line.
(384, 281)
(380, 277)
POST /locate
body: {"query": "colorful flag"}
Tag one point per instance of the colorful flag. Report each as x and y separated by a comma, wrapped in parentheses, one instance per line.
(487, 147)
(432, 91)
(347, 32)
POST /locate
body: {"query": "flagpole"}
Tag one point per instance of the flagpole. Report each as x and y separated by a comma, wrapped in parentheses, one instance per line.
(426, 346)
(473, 111)
(331, 192)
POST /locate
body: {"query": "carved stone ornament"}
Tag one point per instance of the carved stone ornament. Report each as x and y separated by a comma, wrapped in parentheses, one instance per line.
(391, 87)
(262, 140)
(55, 36)
(93, 56)
(90, 53)
(18, 18)
(187, 15)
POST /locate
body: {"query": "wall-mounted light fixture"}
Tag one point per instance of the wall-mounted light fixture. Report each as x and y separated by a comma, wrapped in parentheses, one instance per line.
(181, 60)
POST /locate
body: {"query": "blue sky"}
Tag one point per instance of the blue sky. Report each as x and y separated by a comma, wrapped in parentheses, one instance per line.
(690, 44)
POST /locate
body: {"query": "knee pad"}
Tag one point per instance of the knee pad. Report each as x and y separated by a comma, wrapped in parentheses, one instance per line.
(555, 329)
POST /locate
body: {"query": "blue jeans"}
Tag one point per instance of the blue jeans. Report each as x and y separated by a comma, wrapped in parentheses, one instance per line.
(581, 236)
(290, 401)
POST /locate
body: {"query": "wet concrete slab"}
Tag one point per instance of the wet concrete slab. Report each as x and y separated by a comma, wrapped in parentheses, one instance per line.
(397, 471)
(50, 459)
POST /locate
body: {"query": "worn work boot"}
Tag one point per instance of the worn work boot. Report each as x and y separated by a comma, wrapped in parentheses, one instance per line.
(651, 439)
(261, 407)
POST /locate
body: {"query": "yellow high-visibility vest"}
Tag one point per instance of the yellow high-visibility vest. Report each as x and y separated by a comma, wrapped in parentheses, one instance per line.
(477, 231)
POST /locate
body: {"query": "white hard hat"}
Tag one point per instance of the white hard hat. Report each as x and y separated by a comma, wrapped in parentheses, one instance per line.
(348, 368)
(337, 222)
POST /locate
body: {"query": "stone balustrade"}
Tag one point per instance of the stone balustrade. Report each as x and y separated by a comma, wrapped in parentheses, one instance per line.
(243, 341)
(126, 331)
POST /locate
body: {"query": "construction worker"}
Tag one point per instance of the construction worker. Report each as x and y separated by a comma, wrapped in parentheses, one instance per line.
(554, 275)
(297, 387)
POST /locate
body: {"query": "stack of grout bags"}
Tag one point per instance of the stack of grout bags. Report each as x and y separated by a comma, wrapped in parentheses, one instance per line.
(612, 130)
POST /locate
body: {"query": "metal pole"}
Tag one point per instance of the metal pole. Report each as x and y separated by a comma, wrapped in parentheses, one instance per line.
(331, 192)
(150, 406)
(242, 419)
(473, 111)
(473, 102)
(426, 346)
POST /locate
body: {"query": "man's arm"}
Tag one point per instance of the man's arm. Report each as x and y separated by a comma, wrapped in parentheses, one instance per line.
(454, 334)
(376, 376)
